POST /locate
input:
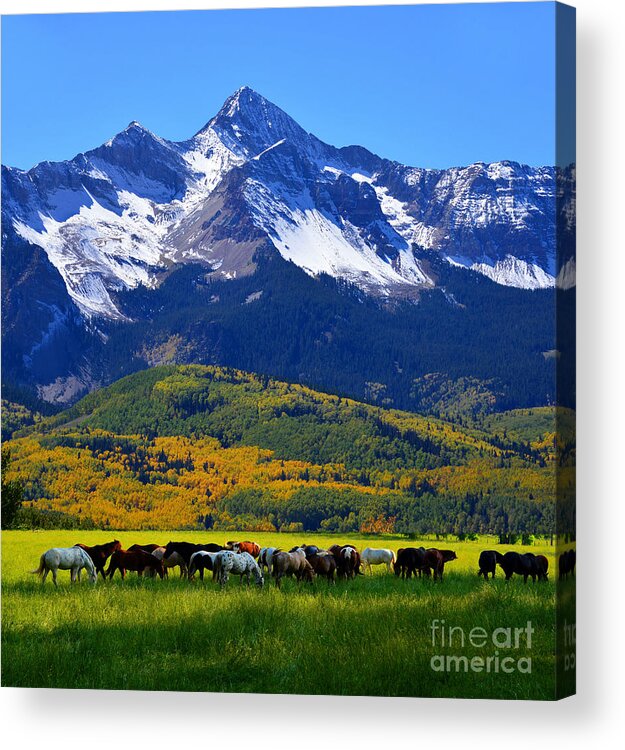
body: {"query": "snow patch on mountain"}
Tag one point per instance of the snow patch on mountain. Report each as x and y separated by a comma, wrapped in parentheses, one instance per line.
(97, 250)
(210, 159)
(516, 272)
(117, 216)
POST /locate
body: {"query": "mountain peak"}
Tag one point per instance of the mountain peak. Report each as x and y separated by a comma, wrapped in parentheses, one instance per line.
(133, 133)
(242, 99)
(134, 125)
(248, 123)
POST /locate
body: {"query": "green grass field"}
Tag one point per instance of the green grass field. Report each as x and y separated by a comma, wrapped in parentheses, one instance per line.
(371, 636)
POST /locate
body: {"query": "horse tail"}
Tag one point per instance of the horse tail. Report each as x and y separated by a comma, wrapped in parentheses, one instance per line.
(217, 565)
(393, 557)
(42, 566)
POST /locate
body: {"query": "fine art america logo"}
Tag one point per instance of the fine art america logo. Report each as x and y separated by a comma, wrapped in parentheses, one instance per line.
(500, 649)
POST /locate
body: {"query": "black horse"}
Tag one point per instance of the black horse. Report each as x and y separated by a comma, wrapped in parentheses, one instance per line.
(149, 548)
(488, 562)
(199, 564)
(186, 549)
(309, 549)
(100, 553)
(566, 564)
(410, 561)
(525, 565)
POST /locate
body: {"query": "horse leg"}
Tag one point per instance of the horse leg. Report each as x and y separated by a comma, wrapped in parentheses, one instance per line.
(45, 575)
(54, 571)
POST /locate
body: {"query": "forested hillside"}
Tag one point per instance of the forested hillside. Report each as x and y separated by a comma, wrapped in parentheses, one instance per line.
(482, 342)
(194, 446)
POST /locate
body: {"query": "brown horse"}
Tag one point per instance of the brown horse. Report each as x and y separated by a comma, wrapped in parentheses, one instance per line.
(291, 564)
(100, 553)
(324, 564)
(250, 547)
(137, 560)
(347, 560)
(435, 560)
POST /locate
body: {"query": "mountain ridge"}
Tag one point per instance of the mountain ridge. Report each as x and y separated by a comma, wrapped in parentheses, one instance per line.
(320, 206)
(83, 239)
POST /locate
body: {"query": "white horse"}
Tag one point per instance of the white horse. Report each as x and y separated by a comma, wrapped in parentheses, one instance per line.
(265, 557)
(242, 564)
(65, 558)
(371, 556)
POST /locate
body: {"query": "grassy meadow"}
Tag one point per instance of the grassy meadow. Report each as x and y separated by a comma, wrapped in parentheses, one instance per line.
(371, 636)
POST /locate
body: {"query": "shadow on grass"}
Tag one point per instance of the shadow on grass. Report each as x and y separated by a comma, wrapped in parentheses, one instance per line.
(360, 638)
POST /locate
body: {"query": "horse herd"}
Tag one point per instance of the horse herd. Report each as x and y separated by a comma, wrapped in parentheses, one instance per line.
(304, 563)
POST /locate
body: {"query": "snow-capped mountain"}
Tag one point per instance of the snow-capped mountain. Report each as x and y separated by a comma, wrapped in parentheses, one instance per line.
(126, 213)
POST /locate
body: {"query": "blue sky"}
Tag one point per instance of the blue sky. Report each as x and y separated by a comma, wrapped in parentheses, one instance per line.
(431, 86)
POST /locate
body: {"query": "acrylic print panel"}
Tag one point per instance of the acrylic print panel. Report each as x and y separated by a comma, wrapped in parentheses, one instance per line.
(288, 360)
